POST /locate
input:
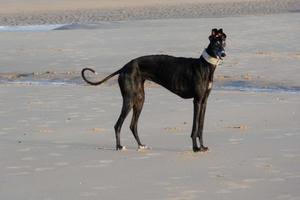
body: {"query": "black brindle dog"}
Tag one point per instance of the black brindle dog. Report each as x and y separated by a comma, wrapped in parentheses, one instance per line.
(186, 77)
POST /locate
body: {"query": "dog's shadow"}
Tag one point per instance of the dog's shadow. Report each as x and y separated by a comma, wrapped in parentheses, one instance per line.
(150, 150)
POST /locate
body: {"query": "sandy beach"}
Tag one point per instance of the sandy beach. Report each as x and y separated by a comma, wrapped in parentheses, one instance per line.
(56, 133)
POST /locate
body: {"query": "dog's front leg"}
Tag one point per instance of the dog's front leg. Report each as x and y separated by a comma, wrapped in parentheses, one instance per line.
(197, 108)
(201, 123)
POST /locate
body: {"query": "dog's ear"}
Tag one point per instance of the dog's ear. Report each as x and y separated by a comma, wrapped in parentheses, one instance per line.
(213, 33)
(220, 31)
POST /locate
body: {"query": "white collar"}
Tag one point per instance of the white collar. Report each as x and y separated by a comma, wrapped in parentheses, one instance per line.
(210, 59)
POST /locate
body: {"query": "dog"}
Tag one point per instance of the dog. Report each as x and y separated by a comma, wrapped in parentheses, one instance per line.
(186, 77)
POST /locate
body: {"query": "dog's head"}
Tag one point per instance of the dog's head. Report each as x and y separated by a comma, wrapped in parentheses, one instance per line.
(217, 42)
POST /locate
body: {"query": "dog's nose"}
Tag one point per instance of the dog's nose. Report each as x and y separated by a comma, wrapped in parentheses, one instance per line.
(223, 54)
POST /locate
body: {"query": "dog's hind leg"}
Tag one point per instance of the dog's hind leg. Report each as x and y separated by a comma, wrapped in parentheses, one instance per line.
(137, 108)
(124, 112)
(127, 94)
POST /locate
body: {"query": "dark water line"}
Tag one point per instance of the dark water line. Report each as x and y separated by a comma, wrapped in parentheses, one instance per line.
(40, 83)
(258, 89)
(232, 86)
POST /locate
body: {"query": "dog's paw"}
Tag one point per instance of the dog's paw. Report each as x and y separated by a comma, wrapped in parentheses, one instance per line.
(196, 149)
(201, 149)
(143, 147)
(121, 148)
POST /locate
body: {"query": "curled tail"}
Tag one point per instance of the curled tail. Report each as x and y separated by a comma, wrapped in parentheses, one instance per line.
(97, 83)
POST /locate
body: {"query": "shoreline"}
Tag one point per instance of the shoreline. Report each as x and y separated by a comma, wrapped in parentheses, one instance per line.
(244, 83)
(163, 11)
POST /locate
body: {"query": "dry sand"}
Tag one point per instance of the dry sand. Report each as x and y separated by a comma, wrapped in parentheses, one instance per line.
(56, 133)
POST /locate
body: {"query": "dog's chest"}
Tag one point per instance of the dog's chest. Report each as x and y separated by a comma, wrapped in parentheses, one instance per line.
(209, 85)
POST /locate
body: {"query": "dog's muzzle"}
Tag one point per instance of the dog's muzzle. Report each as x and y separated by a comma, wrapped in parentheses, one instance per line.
(221, 54)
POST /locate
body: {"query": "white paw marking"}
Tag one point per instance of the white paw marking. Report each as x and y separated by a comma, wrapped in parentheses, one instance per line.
(143, 147)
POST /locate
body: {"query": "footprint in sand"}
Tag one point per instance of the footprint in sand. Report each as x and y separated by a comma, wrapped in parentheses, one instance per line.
(18, 167)
(97, 130)
(46, 130)
(216, 174)
(267, 167)
(173, 129)
(28, 159)
(63, 146)
(9, 129)
(98, 163)
(291, 155)
(262, 158)
(231, 185)
(74, 114)
(87, 119)
(224, 191)
(215, 167)
(277, 179)
(24, 150)
(104, 188)
(42, 169)
(291, 134)
(140, 158)
(235, 139)
(179, 177)
(89, 194)
(153, 154)
(253, 180)
(55, 154)
(18, 173)
(61, 164)
(3, 133)
(276, 137)
(106, 161)
(94, 166)
(284, 196)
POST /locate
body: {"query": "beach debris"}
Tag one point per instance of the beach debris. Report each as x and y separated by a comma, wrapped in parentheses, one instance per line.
(46, 130)
(223, 77)
(173, 129)
(247, 77)
(97, 129)
(241, 127)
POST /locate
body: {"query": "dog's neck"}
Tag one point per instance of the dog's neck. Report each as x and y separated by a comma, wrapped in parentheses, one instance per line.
(209, 58)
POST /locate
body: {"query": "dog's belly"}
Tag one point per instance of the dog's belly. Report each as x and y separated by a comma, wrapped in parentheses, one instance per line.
(180, 86)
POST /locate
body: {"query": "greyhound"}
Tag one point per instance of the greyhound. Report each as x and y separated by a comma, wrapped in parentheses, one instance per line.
(186, 77)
